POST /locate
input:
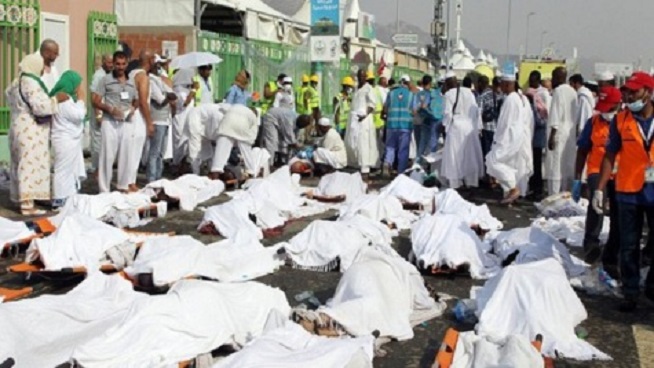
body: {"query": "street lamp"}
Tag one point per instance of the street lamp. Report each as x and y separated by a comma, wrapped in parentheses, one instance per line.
(527, 38)
(542, 36)
(508, 31)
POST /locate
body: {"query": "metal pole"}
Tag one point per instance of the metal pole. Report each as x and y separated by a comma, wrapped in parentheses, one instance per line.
(449, 43)
(542, 35)
(508, 31)
(527, 38)
(397, 19)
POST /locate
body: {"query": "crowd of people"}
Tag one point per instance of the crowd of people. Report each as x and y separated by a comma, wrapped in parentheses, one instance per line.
(493, 131)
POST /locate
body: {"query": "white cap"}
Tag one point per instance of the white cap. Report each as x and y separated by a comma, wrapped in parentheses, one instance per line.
(591, 82)
(287, 80)
(508, 77)
(605, 76)
(405, 78)
(441, 79)
(324, 122)
(158, 59)
(450, 74)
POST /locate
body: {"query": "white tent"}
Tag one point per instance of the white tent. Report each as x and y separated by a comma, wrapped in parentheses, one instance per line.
(261, 22)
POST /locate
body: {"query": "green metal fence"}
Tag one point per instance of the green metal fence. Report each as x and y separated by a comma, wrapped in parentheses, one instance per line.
(102, 33)
(20, 23)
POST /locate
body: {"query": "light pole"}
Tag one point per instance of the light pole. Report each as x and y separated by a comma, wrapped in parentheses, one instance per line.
(397, 20)
(527, 38)
(508, 31)
(542, 36)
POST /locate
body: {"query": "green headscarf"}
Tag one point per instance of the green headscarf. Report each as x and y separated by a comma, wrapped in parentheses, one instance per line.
(68, 83)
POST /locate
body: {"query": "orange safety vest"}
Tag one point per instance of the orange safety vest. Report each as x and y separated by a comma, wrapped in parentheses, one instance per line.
(599, 136)
(630, 177)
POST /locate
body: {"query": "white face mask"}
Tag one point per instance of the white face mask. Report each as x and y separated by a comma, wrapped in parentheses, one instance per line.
(288, 88)
(608, 116)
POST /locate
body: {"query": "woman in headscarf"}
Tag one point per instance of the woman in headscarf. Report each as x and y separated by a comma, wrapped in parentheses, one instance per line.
(67, 133)
(31, 112)
(186, 89)
(238, 93)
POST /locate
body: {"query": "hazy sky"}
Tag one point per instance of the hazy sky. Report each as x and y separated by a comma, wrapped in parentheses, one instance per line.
(610, 30)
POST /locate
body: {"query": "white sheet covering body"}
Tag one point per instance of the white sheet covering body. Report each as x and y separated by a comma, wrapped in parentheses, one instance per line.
(450, 202)
(291, 346)
(462, 157)
(513, 351)
(172, 259)
(531, 299)
(381, 292)
(447, 240)
(11, 231)
(194, 318)
(190, 189)
(340, 183)
(44, 331)
(410, 191)
(115, 207)
(510, 158)
(78, 241)
(534, 245)
(379, 207)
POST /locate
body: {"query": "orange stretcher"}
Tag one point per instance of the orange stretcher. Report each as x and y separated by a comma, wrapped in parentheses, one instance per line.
(445, 355)
(8, 295)
(41, 227)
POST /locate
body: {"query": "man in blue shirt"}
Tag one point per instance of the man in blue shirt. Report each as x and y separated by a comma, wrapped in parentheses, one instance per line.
(631, 136)
(238, 94)
(428, 106)
(399, 126)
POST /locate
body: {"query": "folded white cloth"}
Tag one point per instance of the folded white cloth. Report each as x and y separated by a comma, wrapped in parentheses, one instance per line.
(190, 189)
(447, 240)
(193, 318)
(531, 299)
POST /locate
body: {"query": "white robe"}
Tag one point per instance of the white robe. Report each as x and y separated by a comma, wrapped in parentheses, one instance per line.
(332, 151)
(510, 159)
(462, 157)
(361, 142)
(200, 130)
(66, 135)
(560, 163)
(585, 107)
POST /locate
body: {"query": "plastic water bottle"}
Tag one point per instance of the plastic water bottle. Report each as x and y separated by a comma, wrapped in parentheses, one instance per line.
(304, 295)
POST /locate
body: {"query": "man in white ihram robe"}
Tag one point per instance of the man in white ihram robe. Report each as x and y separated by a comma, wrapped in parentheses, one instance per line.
(562, 127)
(510, 158)
(462, 157)
(360, 135)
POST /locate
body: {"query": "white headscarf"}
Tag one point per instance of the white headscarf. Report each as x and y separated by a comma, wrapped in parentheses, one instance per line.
(32, 64)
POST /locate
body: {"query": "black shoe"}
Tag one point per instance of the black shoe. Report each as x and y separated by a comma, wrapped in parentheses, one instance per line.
(592, 254)
(628, 306)
(649, 293)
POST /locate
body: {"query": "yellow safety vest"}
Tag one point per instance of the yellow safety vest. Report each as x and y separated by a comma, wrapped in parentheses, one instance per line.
(314, 101)
(267, 103)
(379, 107)
(198, 93)
(343, 111)
(300, 101)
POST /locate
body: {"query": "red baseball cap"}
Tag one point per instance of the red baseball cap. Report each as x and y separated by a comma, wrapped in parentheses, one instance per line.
(609, 97)
(639, 80)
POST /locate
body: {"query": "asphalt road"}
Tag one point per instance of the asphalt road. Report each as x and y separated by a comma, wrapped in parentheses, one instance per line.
(628, 338)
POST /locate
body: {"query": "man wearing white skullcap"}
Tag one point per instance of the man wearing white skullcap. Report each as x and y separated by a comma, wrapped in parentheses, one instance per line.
(510, 158)
(331, 154)
(605, 79)
(285, 97)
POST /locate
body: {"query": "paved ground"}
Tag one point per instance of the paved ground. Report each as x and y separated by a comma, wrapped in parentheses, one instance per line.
(628, 338)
